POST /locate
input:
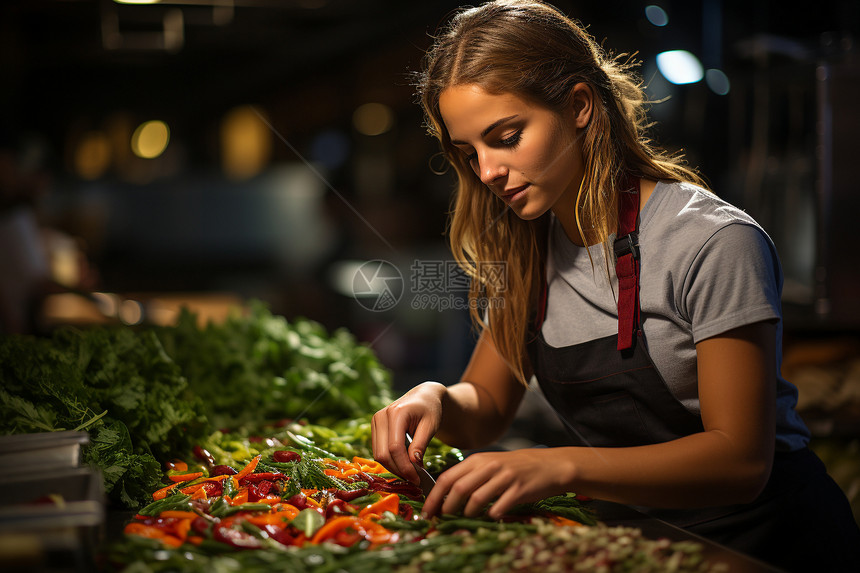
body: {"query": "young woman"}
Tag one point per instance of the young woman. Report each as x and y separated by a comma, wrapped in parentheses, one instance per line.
(647, 308)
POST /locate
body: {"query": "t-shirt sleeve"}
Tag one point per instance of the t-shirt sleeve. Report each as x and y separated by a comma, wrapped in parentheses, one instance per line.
(734, 280)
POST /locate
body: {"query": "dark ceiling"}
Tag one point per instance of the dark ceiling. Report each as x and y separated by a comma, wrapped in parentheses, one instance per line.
(310, 60)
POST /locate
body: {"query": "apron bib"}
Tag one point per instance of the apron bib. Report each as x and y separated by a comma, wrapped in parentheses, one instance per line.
(607, 391)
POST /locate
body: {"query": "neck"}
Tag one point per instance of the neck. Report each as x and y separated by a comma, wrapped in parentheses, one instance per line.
(566, 215)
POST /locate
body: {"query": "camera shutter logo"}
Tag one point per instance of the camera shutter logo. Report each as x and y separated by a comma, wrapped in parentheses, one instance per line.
(377, 285)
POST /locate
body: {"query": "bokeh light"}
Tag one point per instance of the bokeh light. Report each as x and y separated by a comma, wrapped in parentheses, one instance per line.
(92, 155)
(373, 119)
(656, 15)
(718, 81)
(150, 139)
(246, 142)
(680, 67)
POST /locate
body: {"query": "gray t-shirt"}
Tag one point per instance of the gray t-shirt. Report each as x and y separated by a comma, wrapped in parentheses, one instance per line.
(706, 268)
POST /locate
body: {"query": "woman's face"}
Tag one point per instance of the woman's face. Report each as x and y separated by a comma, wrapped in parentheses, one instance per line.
(526, 154)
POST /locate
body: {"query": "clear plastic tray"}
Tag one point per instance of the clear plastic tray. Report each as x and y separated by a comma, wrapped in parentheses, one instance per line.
(32, 452)
(51, 517)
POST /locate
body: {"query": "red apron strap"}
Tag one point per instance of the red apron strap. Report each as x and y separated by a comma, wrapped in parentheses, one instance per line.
(626, 249)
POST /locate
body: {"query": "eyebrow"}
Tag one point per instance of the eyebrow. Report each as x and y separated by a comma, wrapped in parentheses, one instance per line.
(488, 129)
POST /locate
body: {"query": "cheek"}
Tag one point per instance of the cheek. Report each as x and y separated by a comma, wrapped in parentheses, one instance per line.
(562, 159)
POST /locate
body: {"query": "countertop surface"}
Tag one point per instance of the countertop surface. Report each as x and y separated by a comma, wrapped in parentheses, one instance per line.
(616, 514)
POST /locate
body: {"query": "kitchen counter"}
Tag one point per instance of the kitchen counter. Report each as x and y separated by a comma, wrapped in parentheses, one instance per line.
(621, 515)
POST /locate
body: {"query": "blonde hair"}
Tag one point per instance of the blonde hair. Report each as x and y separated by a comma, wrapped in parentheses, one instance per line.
(532, 50)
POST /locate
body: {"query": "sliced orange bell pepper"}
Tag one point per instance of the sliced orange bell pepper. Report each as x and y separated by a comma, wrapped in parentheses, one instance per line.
(192, 488)
(135, 528)
(559, 520)
(390, 502)
(162, 493)
(182, 528)
(378, 535)
(185, 477)
(153, 533)
(240, 497)
(252, 465)
(365, 528)
(179, 514)
(369, 466)
(172, 541)
(276, 518)
(332, 526)
(286, 510)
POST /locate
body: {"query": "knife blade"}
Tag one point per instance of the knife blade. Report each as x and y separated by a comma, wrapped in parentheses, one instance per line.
(426, 481)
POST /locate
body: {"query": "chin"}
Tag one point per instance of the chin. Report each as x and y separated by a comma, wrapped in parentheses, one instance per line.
(528, 212)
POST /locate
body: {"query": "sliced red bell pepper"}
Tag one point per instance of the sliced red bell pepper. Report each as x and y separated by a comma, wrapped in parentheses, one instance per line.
(252, 465)
(270, 476)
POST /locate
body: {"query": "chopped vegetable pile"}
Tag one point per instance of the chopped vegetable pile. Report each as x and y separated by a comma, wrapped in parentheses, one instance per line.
(299, 508)
(245, 447)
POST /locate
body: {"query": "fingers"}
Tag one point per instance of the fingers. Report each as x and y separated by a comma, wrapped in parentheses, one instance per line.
(498, 480)
(468, 486)
(379, 437)
(506, 501)
(398, 452)
(420, 440)
(388, 434)
(417, 412)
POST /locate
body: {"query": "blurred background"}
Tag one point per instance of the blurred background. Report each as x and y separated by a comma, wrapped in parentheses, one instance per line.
(209, 152)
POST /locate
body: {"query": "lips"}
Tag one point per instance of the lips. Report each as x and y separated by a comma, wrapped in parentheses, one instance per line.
(510, 194)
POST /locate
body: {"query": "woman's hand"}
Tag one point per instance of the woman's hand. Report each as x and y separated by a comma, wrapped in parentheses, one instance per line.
(418, 412)
(506, 478)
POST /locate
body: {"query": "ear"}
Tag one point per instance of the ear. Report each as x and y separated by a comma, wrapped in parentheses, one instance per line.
(581, 104)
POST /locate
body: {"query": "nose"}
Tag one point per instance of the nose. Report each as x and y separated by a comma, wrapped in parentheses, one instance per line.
(489, 169)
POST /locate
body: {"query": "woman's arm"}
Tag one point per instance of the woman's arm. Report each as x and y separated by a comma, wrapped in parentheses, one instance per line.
(469, 414)
(479, 408)
(729, 462)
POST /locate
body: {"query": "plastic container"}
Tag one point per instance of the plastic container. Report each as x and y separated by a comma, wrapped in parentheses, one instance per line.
(42, 451)
(51, 511)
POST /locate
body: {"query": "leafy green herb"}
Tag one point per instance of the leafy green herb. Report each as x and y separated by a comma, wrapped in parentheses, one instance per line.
(274, 369)
(308, 521)
(117, 384)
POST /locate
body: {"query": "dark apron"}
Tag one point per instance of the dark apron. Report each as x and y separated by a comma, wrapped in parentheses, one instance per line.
(608, 393)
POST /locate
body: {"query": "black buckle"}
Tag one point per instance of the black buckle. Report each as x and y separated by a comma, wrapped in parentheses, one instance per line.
(629, 243)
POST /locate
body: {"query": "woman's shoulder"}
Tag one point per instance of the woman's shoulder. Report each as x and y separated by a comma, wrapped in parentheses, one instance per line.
(675, 205)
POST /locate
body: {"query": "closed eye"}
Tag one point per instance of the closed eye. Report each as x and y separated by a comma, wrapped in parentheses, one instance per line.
(511, 140)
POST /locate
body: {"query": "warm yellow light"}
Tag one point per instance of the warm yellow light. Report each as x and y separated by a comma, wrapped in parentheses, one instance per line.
(246, 143)
(150, 139)
(137, 1)
(373, 118)
(92, 155)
